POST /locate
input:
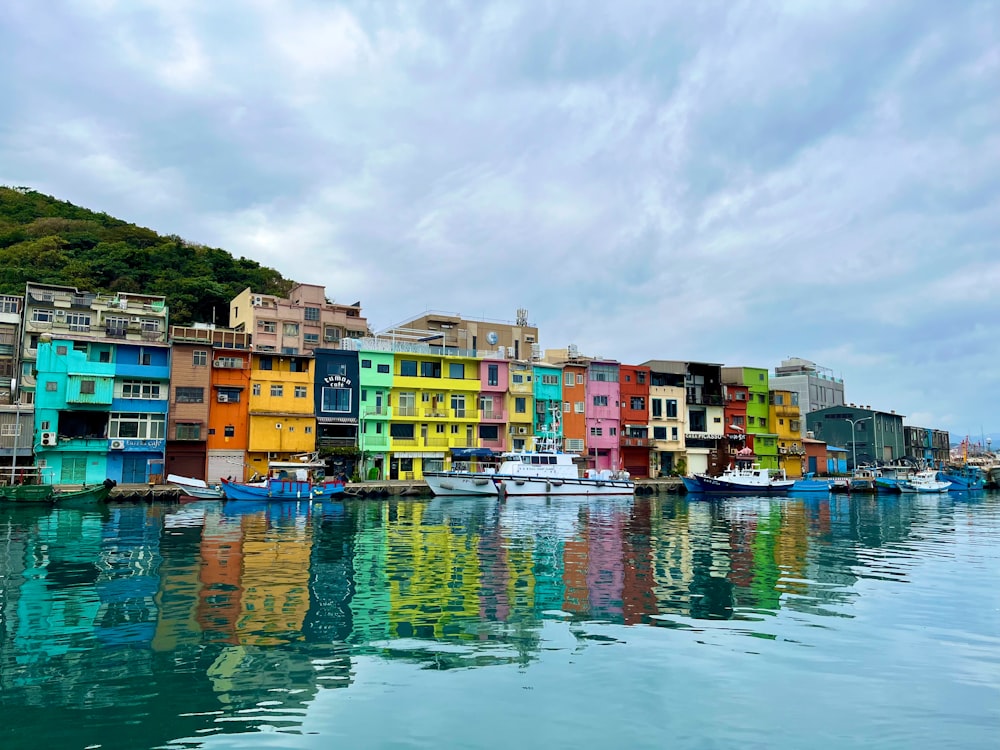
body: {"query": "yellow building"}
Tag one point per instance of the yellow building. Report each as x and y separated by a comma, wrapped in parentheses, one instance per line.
(435, 408)
(521, 406)
(282, 409)
(786, 423)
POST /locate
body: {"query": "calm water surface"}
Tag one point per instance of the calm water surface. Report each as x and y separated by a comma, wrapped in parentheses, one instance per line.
(471, 623)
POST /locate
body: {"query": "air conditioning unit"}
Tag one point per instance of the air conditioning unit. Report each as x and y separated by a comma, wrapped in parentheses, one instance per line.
(277, 425)
(782, 450)
(217, 363)
(60, 313)
(257, 300)
(117, 445)
(222, 398)
(48, 438)
(522, 430)
(510, 351)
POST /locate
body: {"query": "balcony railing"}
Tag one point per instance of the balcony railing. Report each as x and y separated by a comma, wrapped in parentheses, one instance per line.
(406, 411)
(636, 442)
(375, 442)
(437, 412)
(436, 442)
(705, 399)
(376, 411)
(337, 441)
(410, 442)
(500, 416)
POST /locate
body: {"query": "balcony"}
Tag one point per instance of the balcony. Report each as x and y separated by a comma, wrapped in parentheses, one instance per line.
(375, 442)
(405, 442)
(705, 399)
(437, 442)
(497, 444)
(786, 410)
(337, 442)
(406, 411)
(495, 416)
(436, 412)
(376, 411)
(636, 442)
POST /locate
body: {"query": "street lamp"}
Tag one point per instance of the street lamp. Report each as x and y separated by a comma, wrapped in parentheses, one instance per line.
(854, 447)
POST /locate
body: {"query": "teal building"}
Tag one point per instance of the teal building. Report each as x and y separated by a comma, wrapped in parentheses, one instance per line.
(548, 423)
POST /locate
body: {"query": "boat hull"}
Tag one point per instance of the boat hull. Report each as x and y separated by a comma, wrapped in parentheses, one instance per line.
(714, 485)
(277, 490)
(518, 486)
(962, 480)
(28, 494)
(811, 485)
(448, 483)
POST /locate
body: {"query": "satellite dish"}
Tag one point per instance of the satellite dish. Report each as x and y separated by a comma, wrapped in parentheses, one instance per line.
(492, 338)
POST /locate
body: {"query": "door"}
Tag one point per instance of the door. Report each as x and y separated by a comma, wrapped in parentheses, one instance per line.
(393, 468)
(74, 470)
(134, 469)
(812, 464)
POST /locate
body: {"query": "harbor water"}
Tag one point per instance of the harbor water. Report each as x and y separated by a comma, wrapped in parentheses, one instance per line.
(601, 622)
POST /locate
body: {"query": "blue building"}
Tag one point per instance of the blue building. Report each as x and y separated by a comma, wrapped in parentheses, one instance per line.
(338, 397)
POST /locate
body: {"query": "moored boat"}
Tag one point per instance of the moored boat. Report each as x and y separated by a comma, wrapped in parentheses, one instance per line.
(966, 477)
(809, 483)
(924, 482)
(193, 487)
(743, 478)
(27, 494)
(526, 473)
(286, 480)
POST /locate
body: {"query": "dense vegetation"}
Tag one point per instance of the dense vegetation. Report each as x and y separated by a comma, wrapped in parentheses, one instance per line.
(49, 241)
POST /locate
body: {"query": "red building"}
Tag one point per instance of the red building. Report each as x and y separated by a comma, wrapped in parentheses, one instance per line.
(735, 417)
(634, 439)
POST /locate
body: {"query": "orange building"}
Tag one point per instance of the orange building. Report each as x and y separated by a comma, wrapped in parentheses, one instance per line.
(634, 433)
(574, 408)
(202, 358)
(229, 415)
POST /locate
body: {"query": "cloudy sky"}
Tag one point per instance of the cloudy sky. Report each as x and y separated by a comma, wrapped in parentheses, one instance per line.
(735, 182)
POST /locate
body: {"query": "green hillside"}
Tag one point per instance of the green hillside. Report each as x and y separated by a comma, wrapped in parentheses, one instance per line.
(45, 240)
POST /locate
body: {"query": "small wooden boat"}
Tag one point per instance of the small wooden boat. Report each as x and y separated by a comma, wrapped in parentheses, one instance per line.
(193, 487)
(28, 494)
(93, 495)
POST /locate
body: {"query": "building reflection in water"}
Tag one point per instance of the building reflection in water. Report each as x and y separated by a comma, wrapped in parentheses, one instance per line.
(201, 614)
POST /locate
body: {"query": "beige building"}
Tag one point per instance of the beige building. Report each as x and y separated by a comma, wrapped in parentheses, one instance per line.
(517, 340)
(298, 324)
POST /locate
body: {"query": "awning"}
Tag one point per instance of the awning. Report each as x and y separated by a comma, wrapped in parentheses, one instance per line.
(467, 453)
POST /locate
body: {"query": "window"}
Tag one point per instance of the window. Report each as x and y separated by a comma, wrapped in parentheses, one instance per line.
(331, 333)
(309, 430)
(51, 386)
(600, 400)
(408, 368)
(673, 433)
(290, 329)
(612, 431)
(741, 396)
(458, 404)
(310, 338)
(430, 369)
(311, 313)
(637, 403)
(277, 391)
(492, 374)
(738, 420)
(520, 406)
(659, 433)
(657, 407)
(42, 316)
(781, 422)
(671, 408)
(401, 431)
(566, 407)
(268, 326)
(568, 379)
(763, 422)
(87, 386)
(61, 350)
(188, 395)
(143, 426)
(336, 368)
(751, 420)
(550, 380)
(266, 363)
(301, 391)
(761, 398)
(140, 389)
(228, 395)
(199, 358)
(439, 429)
(186, 431)
(256, 389)
(78, 322)
(229, 431)
(760, 376)
(366, 364)
(779, 399)
(604, 373)
(596, 431)
(795, 398)
(579, 378)
(517, 378)
(489, 432)
(456, 370)
(336, 399)
(640, 377)
(454, 429)
(578, 407)
(384, 369)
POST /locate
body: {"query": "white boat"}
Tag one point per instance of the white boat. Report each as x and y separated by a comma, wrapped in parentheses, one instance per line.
(745, 477)
(925, 482)
(532, 473)
(194, 487)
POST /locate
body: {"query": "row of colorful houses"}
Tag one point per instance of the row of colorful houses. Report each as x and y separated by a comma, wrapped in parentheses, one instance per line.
(104, 387)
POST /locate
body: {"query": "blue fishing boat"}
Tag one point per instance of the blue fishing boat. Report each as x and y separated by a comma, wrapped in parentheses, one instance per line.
(743, 479)
(965, 477)
(286, 480)
(809, 483)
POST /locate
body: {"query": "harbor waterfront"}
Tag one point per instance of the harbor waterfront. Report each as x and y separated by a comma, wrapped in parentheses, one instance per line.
(829, 621)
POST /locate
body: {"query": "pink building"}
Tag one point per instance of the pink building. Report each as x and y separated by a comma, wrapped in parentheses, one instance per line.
(494, 380)
(603, 413)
